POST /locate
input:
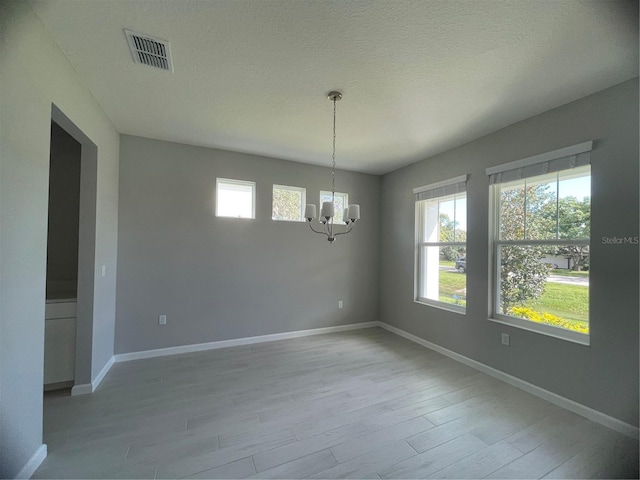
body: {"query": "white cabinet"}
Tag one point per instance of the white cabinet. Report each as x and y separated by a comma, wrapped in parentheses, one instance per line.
(60, 342)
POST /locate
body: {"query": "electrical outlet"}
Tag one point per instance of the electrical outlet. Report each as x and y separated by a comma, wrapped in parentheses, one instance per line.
(505, 339)
(340, 304)
(162, 320)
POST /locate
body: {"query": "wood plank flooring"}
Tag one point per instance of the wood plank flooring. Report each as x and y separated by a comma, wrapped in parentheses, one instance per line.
(359, 404)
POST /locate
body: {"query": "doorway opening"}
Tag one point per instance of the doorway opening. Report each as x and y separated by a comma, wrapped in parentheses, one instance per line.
(62, 261)
(71, 251)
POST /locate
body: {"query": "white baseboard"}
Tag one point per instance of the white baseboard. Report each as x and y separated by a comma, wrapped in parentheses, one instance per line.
(96, 381)
(199, 347)
(81, 389)
(599, 417)
(34, 462)
(85, 388)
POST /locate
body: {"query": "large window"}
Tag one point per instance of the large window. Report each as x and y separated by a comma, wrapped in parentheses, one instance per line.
(235, 198)
(441, 243)
(288, 203)
(541, 231)
(340, 202)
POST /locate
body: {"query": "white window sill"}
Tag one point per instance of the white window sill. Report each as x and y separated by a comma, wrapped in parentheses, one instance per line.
(551, 331)
(441, 305)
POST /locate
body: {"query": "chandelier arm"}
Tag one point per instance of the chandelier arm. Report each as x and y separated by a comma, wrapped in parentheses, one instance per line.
(316, 231)
(348, 230)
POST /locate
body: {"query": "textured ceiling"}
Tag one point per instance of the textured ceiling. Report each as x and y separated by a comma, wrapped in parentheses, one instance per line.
(418, 77)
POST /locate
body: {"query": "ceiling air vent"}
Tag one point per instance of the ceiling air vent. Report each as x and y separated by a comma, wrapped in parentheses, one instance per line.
(149, 51)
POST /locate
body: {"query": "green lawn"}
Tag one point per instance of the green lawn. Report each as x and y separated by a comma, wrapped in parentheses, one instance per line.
(453, 283)
(570, 302)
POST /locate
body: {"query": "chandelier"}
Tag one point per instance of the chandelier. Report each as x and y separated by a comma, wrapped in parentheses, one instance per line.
(350, 214)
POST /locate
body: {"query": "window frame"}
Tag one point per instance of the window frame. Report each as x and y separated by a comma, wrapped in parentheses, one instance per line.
(303, 201)
(495, 243)
(420, 245)
(231, 181)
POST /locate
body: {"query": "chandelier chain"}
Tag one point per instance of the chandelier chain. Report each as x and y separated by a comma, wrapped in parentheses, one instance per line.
(333, 157)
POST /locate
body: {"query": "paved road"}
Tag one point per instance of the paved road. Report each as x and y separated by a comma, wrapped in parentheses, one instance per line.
(582, 281)
(447, 269)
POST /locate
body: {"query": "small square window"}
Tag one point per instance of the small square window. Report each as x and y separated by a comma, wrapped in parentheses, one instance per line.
(340, 202)
(288, 203)
(235, 198)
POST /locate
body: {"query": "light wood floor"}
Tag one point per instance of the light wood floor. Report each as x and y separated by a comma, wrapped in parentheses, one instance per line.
(360, 404)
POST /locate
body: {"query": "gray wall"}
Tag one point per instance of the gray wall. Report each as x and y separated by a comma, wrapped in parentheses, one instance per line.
(223, 278)
(603, 376)
(64, 210)
(34, 74)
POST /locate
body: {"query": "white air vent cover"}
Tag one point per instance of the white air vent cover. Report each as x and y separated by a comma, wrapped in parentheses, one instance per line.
(149, 51)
